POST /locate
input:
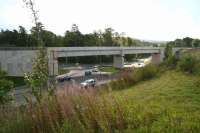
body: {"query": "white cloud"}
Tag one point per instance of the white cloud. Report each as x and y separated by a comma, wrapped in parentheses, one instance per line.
(145, 19)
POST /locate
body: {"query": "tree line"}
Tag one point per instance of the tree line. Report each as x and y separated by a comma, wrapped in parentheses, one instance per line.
(185, 42)
(72, 38)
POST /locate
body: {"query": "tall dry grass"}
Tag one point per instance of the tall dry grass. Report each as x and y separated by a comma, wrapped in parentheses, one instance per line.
(77, 110)
(69, 110)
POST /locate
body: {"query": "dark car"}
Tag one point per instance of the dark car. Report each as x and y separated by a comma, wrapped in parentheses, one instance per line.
(62, 78)
(88, 73)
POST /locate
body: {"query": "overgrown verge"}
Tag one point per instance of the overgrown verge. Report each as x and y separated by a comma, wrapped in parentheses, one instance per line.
(5, 87)
(186, 61)
(130, 77)
(190, 63)
(81, 112)
(78, 110)
(165, 104)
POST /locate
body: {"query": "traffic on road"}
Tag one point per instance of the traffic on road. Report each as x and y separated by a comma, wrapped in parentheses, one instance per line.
(82, 76)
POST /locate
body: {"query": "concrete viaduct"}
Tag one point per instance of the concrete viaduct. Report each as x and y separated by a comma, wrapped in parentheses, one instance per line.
(17, 61)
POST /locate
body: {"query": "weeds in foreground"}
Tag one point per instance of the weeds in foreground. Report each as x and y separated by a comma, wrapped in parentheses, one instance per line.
(76, 110)
(83, 111)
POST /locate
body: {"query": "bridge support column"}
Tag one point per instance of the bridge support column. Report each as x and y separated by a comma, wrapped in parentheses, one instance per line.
(158, 58)
(53, 63)
(118, 61)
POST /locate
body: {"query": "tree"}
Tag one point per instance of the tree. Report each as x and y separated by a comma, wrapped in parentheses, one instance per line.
(74, 37)
(92, 39)
(130, 41)
(168, 54)
(17, 38)
(98, 37)
(59, 40)
(108, 37)
(36, 33)
(187, 41)
(38, 78)
(196, 43)
(22, 37)
(178, 43)
(48, 38)
(5, 87)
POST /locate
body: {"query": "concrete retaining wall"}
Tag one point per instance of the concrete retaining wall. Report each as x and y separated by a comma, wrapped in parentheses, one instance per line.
(16, 62)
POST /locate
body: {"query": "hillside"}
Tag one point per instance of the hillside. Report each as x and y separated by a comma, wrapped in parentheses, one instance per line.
(170, 103)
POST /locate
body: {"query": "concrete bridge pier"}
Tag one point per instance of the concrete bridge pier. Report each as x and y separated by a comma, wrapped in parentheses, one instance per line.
(118, 61)
(53, 63)
(158, 58)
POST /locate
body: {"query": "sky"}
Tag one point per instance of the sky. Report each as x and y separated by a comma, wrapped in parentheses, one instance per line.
(161, 20)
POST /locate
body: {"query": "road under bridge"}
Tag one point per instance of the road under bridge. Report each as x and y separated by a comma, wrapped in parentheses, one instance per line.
(18, 60)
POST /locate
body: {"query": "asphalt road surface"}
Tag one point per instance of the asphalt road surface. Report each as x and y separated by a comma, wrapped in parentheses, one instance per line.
(78, 76)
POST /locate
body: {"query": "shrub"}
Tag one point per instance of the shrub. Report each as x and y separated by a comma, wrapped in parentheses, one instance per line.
(168, 55)
(148, 72)
(129, 78)
(5, 87)
(189, 63)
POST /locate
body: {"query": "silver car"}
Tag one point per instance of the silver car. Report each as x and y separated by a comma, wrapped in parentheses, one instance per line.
(88, 83)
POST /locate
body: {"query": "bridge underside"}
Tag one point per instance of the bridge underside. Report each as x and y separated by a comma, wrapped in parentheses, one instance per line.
(17, 61)
(117, 52)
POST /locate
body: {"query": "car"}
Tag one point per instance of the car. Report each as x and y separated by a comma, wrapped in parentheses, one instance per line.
(128, 65)
(88, 73)
(96, 66)
(95, 70)
(62, 78)
(139, 64)
(88, 83)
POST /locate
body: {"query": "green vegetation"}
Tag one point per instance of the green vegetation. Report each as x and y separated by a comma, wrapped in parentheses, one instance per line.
(18, 81)
(185, 42)
(108, 37)
(109, 69)
(5, 87)
(131, 77)
(148, 99)
(168, 103)
(38, 78)
(189, 62)
(169, 59)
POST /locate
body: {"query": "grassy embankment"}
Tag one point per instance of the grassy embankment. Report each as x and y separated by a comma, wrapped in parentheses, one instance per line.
(169, 103)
